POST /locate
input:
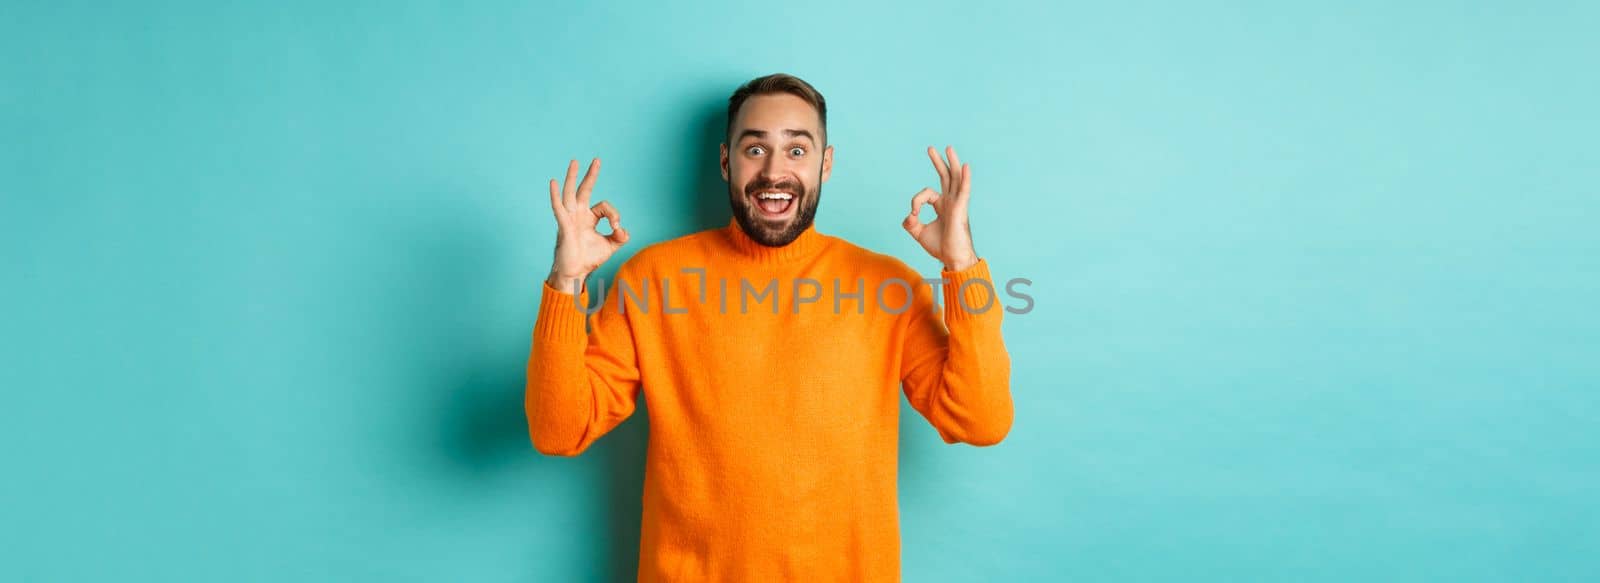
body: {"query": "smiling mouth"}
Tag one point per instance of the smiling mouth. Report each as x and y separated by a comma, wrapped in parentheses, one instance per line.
(774, 203)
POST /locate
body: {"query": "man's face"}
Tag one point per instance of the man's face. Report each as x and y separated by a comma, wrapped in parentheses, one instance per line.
(776, 167)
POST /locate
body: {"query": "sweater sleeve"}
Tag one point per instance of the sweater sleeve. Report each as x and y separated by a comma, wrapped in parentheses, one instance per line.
(955, 370)
(579, 386)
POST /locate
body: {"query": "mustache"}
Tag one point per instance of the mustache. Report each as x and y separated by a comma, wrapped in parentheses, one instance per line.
(759, 185)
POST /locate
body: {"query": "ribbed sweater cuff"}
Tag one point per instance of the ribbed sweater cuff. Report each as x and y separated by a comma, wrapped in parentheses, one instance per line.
(561, 318)
(970, 294)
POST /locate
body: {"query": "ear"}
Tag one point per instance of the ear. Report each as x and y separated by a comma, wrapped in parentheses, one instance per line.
(724, 161)
(827, 162)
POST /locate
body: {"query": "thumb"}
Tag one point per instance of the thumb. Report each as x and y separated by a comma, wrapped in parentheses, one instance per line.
(912, 225)
(618, 237)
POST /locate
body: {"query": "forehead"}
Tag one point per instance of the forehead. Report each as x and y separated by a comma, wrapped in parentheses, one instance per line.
(775, 113)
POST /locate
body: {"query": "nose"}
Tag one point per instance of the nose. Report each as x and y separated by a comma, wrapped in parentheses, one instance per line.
(771, 169)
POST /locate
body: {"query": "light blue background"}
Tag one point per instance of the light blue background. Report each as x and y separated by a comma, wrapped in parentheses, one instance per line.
(1316, 286)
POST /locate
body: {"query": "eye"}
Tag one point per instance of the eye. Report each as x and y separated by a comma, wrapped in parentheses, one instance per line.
(797, 151)
(755, 150)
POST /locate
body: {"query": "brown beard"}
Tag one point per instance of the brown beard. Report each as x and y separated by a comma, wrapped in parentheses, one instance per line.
(759, 230)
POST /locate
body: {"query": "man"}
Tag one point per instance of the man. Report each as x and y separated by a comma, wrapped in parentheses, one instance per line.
(772, 356)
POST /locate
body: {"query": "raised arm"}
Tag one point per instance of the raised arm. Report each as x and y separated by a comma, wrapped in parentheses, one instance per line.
(579, 385)
(955, 369)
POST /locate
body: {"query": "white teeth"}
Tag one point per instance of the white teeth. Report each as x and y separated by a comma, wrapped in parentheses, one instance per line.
(777, 195)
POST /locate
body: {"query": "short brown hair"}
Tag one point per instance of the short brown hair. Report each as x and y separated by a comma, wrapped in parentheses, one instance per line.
(778, 83)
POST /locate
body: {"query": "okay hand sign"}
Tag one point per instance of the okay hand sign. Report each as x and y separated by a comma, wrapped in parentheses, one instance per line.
(580, 248)
(948, 237)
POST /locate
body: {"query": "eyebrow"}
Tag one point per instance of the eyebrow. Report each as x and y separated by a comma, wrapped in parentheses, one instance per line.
(787, 132)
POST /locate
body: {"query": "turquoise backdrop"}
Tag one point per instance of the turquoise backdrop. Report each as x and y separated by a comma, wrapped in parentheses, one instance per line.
(1315, 285)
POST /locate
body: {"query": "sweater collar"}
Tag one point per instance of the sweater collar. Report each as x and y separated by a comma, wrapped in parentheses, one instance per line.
(808, 243)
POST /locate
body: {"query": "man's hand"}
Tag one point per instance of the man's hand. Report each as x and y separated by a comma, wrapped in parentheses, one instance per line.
(949, 237)
(580, 248)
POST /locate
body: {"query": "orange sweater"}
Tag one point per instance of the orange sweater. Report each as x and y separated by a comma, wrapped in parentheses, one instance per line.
(774, 411)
